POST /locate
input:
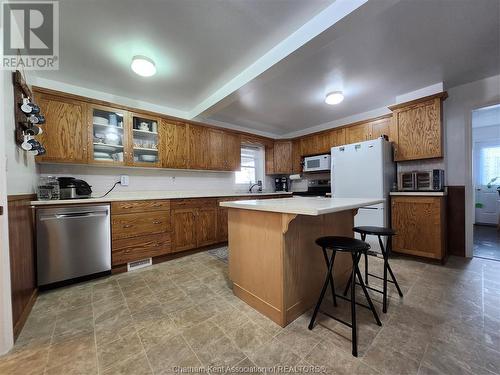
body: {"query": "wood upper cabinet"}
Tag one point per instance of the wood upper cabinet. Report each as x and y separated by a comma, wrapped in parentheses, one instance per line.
(232, 151)
(65, 131)
(419, 128)
(337, 138)
(199, 139)
(383, 126)
(269, 156)
(357, 133)
(144, 141)
(216, 154)
(283, 157)
(296, 157)
(174, 144)
(420, 225)
(108, 135)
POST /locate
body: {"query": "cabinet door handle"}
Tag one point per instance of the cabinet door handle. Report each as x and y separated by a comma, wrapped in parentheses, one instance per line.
(127, 226)
(156, 222)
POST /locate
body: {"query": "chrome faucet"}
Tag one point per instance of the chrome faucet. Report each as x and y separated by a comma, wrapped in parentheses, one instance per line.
(259, 184)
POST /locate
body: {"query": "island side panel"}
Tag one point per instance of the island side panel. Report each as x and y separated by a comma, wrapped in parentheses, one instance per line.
(304, 264)
(256, 260)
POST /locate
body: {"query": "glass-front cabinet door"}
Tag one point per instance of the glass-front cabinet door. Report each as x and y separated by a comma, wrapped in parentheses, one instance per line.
(109, 135)
(145, 141)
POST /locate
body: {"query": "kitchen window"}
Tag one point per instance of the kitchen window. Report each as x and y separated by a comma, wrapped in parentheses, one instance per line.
(252, 165)
(489, 162)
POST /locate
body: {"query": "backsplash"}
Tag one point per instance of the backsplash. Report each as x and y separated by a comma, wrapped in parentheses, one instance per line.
(102, 179)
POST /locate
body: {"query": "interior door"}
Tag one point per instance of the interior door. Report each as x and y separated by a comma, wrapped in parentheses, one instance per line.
(486, 205)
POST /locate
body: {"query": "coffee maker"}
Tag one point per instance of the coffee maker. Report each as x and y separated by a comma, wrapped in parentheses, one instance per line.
(281, 184)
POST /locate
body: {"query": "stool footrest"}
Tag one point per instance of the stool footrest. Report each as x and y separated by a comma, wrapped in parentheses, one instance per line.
(380, 278)
(349, 300)
(335, 318)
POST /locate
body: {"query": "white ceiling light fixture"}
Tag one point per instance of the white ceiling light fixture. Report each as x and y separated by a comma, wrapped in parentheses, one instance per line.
(143, 66)
(334, 97)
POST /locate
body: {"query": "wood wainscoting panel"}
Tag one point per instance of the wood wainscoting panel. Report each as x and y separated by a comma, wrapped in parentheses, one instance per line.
(456, 220)
(22, 258)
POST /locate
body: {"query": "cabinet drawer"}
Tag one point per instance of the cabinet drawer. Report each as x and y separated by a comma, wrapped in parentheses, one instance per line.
(193, 203)
(125, 207)
(134, 225)
(132, 249)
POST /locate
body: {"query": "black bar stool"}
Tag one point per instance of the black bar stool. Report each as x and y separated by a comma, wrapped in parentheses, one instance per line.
(356, 248)
(379, 232)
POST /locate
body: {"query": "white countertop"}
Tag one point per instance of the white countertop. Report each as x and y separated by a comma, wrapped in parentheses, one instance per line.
(147, 195)
(313, 206)
(421, 193)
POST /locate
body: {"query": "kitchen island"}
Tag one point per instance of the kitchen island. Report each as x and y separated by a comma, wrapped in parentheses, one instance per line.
(274, 264)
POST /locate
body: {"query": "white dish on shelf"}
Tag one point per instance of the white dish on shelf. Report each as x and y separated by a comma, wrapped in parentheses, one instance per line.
(148, 158)
(101, 155)
(101, 147)
(100, 120)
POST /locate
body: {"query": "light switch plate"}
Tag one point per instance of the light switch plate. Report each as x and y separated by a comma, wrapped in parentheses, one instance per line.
(124, 180)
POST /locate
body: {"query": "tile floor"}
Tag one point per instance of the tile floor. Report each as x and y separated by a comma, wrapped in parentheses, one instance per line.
(486, 242)
(183, 313)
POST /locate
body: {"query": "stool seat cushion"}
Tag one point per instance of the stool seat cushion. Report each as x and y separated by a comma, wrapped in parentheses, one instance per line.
(342, 243)
(377, 231)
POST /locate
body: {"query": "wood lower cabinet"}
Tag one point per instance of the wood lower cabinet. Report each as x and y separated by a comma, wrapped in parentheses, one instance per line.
(206, 226)
(194, 223)
(420, 224)
(139, 230)
(184, 229)
(64, 132)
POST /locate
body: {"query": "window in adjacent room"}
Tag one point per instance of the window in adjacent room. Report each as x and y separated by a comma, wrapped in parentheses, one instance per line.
(252, 165)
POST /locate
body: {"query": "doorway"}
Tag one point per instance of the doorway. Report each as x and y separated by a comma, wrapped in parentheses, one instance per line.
(486, 181)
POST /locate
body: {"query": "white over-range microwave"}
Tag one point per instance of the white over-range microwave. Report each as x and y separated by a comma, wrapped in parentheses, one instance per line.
(317, 163)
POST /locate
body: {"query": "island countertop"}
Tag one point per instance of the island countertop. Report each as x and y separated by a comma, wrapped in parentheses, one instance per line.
(312, 206)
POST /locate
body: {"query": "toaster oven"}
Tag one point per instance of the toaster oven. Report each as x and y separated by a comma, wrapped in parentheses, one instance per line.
(432, 180)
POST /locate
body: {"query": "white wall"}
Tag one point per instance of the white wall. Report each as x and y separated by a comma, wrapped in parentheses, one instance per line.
(102, 178)
(461, 102)
(6, 334)
(21, 167)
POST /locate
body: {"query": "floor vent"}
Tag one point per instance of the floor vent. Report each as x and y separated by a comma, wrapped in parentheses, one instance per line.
(139, 264)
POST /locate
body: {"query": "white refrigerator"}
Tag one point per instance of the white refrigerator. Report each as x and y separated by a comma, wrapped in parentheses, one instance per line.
(365, 170)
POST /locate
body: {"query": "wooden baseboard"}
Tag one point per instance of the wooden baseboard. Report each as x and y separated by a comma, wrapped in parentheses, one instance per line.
(259, 304)
(18, 326)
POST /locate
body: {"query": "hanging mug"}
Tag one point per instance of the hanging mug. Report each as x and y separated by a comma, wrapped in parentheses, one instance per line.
(28, 107)
(39, 151)
(34, 130)
(36, 119)
(30, 144)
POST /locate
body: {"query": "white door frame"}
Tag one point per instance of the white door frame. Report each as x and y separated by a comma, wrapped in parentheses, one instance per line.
(469, 184)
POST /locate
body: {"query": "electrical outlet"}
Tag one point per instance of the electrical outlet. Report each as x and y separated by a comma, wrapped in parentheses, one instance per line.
(124, 180)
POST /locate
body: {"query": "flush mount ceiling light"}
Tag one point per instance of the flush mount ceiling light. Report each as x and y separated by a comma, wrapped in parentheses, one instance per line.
(143, 66)
(334, 97)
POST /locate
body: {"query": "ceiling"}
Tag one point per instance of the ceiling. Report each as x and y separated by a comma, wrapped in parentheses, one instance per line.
(383, 49)
(197, 45)
(266, 65)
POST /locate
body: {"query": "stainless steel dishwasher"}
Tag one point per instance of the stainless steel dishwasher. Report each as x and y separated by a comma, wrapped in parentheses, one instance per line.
(72, 242)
